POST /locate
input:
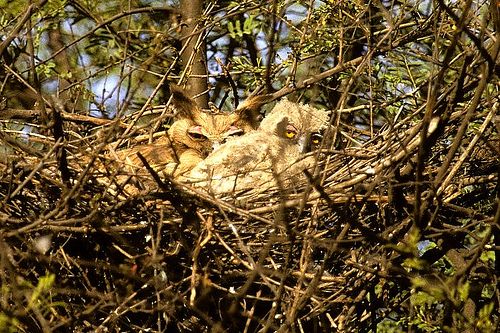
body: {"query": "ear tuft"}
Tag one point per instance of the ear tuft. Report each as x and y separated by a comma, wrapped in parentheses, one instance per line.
(249, 110)
(185, 106)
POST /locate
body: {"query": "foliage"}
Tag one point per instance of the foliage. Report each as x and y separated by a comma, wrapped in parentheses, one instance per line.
(401, 230)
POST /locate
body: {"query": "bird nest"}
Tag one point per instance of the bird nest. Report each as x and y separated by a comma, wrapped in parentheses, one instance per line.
(375, 223)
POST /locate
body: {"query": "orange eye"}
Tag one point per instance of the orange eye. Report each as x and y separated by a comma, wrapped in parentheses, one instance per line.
(316, 138)
(290, 134)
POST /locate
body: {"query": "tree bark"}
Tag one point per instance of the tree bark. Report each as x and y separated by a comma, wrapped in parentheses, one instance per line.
(191, 11)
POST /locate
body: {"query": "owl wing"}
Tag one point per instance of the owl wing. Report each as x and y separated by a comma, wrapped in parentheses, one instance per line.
(157, 156)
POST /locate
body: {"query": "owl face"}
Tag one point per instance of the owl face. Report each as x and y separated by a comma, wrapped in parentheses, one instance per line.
(299, 124)
(204, 132)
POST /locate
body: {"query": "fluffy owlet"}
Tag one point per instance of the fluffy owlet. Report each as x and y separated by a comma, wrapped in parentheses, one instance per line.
(193, 135)
(273, 155)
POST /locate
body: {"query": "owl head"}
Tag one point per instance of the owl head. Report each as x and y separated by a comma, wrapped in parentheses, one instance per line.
(298, 124)
(203, 131)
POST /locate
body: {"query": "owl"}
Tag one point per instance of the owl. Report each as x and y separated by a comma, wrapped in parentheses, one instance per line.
(273, 155)
(192, 136)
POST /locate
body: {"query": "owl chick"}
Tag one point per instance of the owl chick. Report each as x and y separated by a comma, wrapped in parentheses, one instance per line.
(273, 155)
(193, 135)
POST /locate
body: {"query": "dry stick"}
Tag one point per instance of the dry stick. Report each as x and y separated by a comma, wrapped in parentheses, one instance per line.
(317, 278)
(468, 116)
(270, 49)
(121, 309)
(125, 102)
(222, 205)
(137, 115)
(316, 78)
(18, 144)
(35, 170)
(233, 253)
(295, 63)
(15, 32)
(108, 21)
(467, 151)
(472, 35)
(145, 106)
(23, 81)
(10, 113)
(203, 239)
(36, 85)
(91, 229)
(308, 293)
(434, 87)
(59, 134)
(96, 73)
(251, 267)
(328, 301)
(250, 313)
(232, 84)
(55, 212)
(255, 267)
(463, 127)
(292, 312)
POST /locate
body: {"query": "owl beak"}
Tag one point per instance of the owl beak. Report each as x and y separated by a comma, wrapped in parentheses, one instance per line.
(302, 143)
(215, 145)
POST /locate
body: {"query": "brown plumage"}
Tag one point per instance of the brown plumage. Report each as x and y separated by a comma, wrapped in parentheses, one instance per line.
(193, 135)
(273, 155)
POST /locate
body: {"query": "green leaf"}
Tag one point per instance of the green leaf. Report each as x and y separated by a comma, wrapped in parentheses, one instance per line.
(8, 324)
(44, 284)
(485, 322)
(239, 32)
(463, 291)
(230, 28)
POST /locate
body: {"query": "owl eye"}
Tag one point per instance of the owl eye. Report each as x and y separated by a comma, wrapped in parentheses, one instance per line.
(290, 132)
(195, 132)
(316, 138)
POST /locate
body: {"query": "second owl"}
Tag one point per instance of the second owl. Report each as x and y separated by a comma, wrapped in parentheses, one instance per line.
(273, 155)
